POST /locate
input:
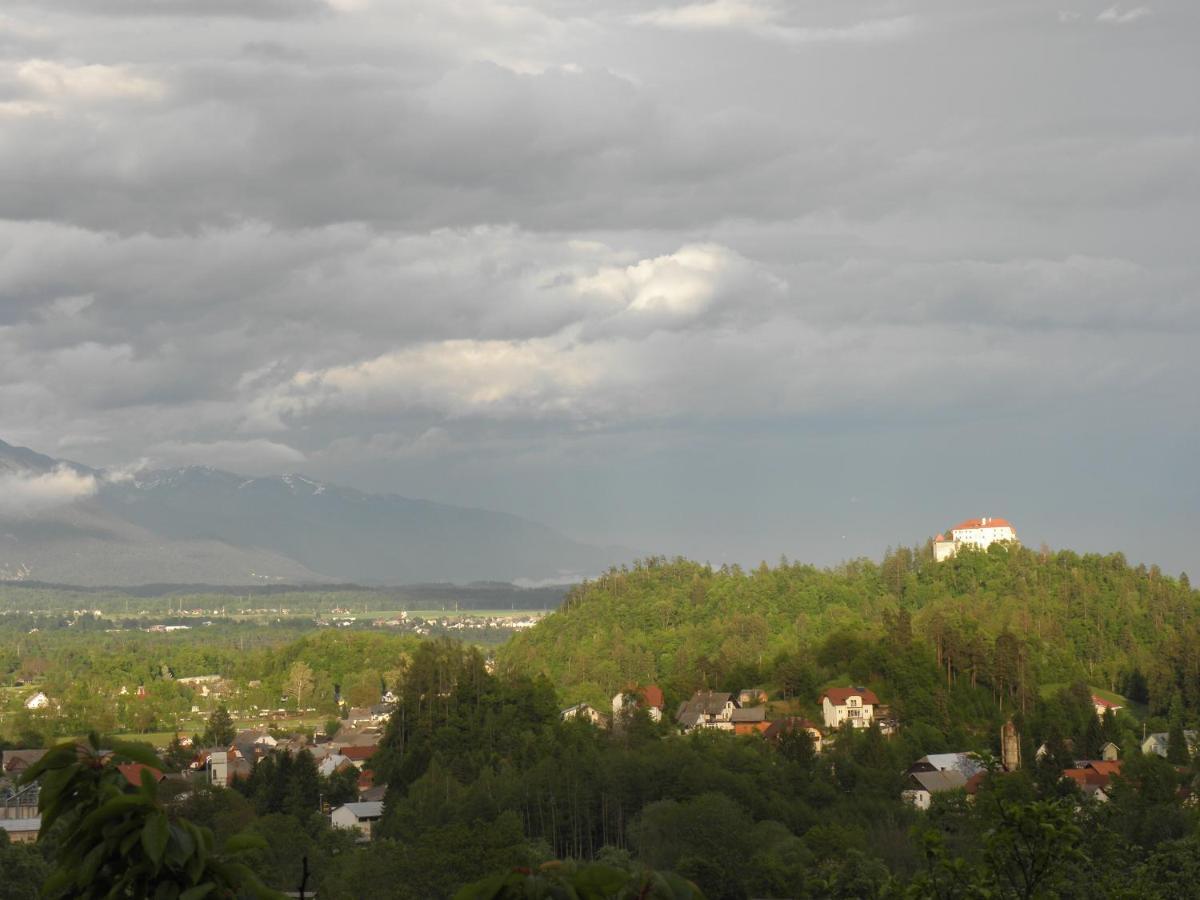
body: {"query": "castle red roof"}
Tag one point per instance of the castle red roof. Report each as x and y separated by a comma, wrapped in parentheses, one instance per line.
(986, 522)
(839, 695)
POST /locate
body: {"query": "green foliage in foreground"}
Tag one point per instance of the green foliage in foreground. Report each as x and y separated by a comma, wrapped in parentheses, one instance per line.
(484, 779)
(596, 881)
(683, 625)
(114, 840)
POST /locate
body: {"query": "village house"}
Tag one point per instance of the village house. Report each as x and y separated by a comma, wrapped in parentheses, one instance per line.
(222, 766)
(37, 701)
(855, 705)
(583, 711)
(1094, 778)
(936, 773)
(359, 754)
(752, 697)
(648, 697)
(750, 720)
(19, 801)
(1158, 742)
(361, 816)
(133, 773)
(706, 709)
(977, 533)
(923, 785)
(1102, 706)
(334, 762)
(721, 711)
(1110, 752)
(22, 831)
(966, 764)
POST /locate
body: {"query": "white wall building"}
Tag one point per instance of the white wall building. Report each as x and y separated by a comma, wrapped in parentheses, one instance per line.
(360, 816)
(855, 705)
(978, 533)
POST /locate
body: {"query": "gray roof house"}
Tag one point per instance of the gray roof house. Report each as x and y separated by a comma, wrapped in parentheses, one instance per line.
(361, 816)
(966, 764)
(707, 709)
(923, 785)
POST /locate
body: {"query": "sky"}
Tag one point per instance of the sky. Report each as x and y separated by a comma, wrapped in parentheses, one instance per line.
(732, 279)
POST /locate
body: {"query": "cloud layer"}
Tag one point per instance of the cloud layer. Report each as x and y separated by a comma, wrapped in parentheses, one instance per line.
(525, 255)
(28, 493)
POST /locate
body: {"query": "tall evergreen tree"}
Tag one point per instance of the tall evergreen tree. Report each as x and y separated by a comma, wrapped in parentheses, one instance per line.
(1178, 752)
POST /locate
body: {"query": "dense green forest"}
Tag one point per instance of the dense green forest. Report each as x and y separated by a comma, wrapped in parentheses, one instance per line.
(1013, 620)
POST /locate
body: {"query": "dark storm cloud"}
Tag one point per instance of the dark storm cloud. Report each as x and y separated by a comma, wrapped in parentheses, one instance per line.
(471, 249)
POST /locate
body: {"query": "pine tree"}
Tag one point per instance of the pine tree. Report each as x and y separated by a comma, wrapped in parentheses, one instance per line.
(220, 730)
(1177, 748)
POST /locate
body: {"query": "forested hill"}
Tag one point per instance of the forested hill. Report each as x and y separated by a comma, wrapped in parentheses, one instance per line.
(1015, 620)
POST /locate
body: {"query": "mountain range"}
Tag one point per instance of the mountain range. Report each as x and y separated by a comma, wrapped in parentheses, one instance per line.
(68, 523)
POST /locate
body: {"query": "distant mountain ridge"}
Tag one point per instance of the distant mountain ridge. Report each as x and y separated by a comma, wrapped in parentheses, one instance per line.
(200, 524)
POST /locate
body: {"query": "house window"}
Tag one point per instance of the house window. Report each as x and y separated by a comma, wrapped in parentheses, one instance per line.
(854, 713)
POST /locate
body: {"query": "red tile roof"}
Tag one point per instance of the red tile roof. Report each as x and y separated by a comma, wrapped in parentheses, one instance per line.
(838, 696)
(133, 773)
(1100, 701)
(986, 522)
(1107, 768)
(1084, 777)
(358, 753)
(653, 695)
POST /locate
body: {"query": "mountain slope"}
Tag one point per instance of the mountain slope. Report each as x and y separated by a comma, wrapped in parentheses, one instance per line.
(200, 524)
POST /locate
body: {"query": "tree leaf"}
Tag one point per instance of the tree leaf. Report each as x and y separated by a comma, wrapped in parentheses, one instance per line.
(154, 837)
(197, 892)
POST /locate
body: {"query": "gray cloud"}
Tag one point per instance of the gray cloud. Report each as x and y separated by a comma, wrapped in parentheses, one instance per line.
(502, 254)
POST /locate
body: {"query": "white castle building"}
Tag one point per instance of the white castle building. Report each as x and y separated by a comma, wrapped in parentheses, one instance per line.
(979, 533)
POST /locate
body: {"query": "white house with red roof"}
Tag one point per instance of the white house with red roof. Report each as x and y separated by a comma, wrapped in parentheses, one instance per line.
(979, 533)
(648, 697)
(1102, 706)
(855, 705)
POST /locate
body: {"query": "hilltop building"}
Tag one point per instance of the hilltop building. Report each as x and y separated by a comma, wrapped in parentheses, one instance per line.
(978, 533)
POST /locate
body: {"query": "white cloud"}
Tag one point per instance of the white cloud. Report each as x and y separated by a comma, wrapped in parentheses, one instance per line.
(492, 379)
(679, 287)
(1115, 15)
(86, 82)
(27, 493)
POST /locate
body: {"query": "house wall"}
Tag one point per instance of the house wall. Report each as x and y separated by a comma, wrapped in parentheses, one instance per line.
(921, 799)
(859, 714)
